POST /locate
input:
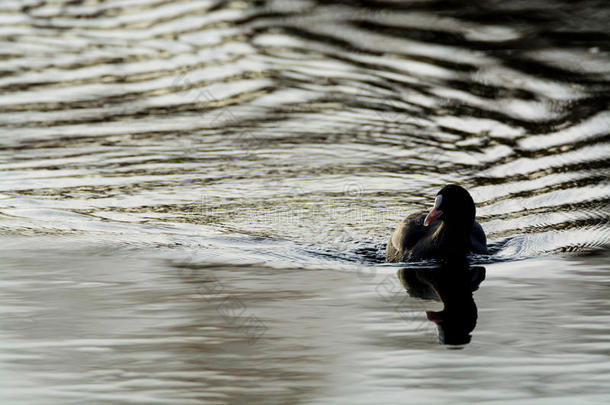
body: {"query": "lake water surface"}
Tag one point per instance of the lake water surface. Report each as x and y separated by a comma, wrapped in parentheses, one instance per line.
(195, 198)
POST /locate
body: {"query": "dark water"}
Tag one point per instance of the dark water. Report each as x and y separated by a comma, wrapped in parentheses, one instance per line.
(195, 198)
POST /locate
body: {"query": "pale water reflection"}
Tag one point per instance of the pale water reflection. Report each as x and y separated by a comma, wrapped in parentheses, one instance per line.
(136, 325)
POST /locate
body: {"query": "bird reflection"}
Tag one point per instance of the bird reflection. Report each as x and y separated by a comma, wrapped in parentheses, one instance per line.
(453, 284)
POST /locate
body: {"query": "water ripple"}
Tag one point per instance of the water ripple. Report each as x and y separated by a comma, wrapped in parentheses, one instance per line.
(149, 111)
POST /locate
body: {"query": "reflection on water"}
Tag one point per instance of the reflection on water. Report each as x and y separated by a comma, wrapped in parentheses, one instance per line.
(110, 324)
(453, 284)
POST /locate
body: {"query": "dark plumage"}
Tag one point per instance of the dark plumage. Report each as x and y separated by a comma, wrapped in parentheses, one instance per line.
(450, 231)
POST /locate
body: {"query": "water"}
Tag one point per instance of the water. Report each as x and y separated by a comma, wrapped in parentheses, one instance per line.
(195, 198)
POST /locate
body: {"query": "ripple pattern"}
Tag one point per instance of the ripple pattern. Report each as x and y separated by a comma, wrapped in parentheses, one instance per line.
(319, 122)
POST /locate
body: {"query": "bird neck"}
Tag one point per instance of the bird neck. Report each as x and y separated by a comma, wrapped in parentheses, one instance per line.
(454, 237)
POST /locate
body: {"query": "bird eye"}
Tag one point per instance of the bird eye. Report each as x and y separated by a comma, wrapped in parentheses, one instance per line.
(437, 201)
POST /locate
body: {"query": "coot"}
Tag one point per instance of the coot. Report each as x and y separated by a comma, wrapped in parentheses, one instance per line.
(448, 231)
